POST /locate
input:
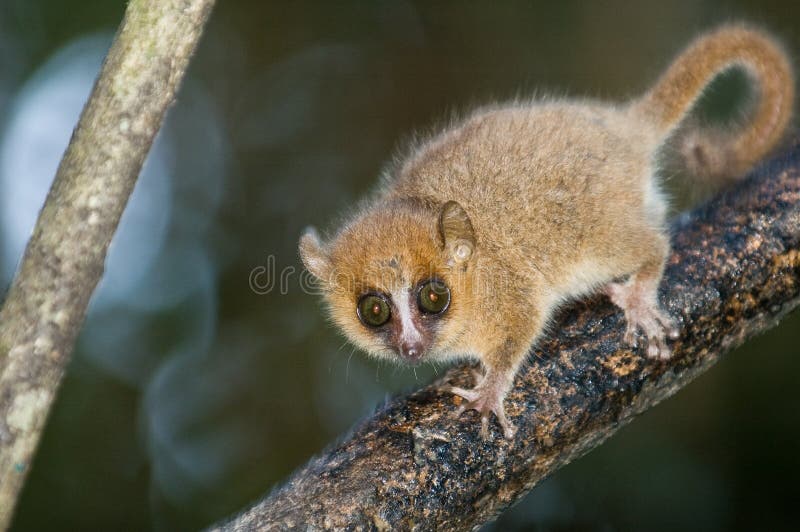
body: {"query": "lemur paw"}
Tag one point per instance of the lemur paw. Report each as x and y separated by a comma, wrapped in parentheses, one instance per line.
(643, 313)
(487, 399)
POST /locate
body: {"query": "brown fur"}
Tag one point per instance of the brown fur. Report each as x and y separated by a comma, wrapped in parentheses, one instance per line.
(713, 153)
(525, 205)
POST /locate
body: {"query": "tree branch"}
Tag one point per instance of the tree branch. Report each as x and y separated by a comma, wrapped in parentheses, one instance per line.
(734, 272)
(64, 260)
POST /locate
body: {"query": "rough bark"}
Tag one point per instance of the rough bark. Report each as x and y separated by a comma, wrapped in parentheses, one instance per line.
(734, 272)
(64, 259)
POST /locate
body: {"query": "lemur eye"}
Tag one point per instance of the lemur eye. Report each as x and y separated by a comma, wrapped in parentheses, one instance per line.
(434, 297)
(373, 310)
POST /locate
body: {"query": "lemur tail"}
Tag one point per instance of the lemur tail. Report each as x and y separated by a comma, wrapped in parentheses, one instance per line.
(719, 154)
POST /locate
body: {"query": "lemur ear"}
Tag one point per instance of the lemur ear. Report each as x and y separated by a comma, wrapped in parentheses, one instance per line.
(455, 229)
(314, 256)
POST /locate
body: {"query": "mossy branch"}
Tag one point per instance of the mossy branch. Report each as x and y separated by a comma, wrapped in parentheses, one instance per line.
(734, 272)
(64, 259)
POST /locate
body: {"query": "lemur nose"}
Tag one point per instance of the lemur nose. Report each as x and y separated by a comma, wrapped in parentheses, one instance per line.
(411, 350)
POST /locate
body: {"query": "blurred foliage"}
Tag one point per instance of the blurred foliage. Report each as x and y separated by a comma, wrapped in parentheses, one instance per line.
(190, 394)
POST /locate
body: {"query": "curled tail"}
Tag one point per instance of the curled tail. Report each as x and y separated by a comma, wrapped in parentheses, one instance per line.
(717, 154)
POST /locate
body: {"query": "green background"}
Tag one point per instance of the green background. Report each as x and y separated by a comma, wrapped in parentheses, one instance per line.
(309, 100)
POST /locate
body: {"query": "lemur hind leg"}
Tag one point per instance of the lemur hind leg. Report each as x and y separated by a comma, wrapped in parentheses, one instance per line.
(638, 298)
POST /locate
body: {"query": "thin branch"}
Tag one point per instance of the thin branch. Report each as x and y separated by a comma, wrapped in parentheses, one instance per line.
(734, 272)
(64, 260)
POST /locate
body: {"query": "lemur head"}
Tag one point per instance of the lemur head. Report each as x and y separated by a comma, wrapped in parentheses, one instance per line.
(396, 278)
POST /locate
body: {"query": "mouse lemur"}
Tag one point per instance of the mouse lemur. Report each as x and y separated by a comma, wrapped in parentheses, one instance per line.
(485, 228)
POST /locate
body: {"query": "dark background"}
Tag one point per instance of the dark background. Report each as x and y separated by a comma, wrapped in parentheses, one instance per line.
(190, 395)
